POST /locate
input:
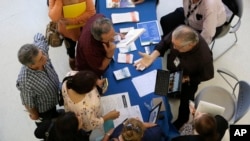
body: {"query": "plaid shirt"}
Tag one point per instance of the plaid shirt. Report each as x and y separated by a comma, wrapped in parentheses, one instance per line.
(39, 89)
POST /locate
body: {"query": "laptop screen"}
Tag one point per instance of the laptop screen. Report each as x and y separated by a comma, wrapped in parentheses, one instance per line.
(153, 115)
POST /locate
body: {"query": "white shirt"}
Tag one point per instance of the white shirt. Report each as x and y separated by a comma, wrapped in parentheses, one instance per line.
(212, 14)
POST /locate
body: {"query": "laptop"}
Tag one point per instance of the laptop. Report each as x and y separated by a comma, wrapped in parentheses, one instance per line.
(168, 83)
(154, 113)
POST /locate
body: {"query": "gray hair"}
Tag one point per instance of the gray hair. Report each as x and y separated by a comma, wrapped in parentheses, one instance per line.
(101, 26)
(27, 53)
(185, 34)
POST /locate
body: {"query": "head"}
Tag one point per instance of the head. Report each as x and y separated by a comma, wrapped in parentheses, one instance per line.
(133, 130)
(32, 57)
(102, 30)
(206, 126)
(82, 82)
(66, 126)
(184, 38)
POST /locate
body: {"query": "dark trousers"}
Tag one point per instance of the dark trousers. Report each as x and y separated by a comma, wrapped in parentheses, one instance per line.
(70, 47)
(172, 20)
(187, 93)
(48, 115)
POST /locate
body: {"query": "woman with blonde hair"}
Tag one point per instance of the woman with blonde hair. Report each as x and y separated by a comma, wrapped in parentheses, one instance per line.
(134, 130)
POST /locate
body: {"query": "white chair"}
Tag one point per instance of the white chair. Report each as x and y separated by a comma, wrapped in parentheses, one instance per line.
(236, 7)
(236, 102)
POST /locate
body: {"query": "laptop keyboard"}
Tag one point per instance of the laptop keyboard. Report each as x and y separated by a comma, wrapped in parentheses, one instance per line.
(161, 86)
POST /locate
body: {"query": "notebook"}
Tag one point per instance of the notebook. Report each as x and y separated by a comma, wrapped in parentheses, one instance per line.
(168, 83)
(154, 113)
(207, 107)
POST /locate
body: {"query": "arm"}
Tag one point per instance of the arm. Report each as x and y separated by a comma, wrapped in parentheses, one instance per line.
(33, 113)
(55, 10)
(111, 115)
(146, 60)
(210, 22)
(107, 135)
(110, 50)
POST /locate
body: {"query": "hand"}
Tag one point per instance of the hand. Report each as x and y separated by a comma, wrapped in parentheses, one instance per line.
(39, 37)
(148, 124)
(109, 48)
(145, 62)
(113, 114)
(137, 1)
(100, 82)
(34, 116)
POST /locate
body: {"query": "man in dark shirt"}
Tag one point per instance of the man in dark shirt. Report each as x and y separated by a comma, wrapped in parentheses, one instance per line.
(96, 47)
(188, 52)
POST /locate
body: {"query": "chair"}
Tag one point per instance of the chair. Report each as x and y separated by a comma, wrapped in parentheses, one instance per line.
(236, 8)
(236, 103)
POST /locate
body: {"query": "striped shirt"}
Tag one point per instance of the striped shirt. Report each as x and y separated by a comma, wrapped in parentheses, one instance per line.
(39, 89)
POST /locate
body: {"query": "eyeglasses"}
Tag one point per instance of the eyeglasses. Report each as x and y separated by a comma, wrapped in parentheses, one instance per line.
(130, 126)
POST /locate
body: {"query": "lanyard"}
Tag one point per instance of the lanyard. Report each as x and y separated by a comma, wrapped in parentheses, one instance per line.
(190, 11)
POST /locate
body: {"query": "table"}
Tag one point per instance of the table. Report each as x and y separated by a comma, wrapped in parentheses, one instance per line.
(147, 12)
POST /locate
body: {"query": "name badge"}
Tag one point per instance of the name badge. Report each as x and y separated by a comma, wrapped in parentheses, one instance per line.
(176, 61)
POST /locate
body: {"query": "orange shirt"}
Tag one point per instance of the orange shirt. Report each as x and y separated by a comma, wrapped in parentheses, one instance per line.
(56, 14)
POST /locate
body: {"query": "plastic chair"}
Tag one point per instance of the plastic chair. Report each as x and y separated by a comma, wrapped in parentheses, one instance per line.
(236, 8)
(236, 103)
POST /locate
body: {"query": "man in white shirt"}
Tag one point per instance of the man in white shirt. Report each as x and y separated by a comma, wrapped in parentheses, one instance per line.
(205, 16)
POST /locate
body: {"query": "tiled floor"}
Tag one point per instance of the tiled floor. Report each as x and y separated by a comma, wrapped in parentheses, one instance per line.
(21, 19)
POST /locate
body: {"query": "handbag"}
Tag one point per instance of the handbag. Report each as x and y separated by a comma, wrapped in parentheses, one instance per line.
(54, 38)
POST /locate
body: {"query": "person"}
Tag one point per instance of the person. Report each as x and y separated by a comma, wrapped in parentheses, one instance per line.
(190, 53)
(206, 127)
(82, 97)
(205, 16)
(38, 81)
(96, 47)
(134, 130)
(70, 35)
(65, 127)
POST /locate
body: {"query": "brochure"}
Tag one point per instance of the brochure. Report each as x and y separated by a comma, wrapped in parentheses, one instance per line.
(119, 3)
(151, 34)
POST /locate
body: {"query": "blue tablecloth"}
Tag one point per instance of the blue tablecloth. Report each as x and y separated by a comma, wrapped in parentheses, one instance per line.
(147, 12)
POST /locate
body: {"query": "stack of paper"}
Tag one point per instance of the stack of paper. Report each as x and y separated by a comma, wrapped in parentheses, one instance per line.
(130, 37)
(73, 11)
(125, 17)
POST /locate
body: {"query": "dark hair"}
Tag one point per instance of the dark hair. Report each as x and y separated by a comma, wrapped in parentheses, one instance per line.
(66, 127)
(206, 126)
(82, 82)
(27, 53)
(101, 26)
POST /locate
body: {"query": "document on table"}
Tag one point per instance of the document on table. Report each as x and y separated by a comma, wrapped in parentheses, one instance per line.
(115, 101)
(129, 112)
(125, 17)
(145, 84)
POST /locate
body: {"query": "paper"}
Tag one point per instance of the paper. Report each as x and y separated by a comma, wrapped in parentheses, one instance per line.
(122, 73)
(207, 107)
(152, 33)
(130, 37)
(72, 11)
(125, 58)
(148, 84)
(129, 48)
(119, 3)
(115, 101)
(125, 17)
(130, 112)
